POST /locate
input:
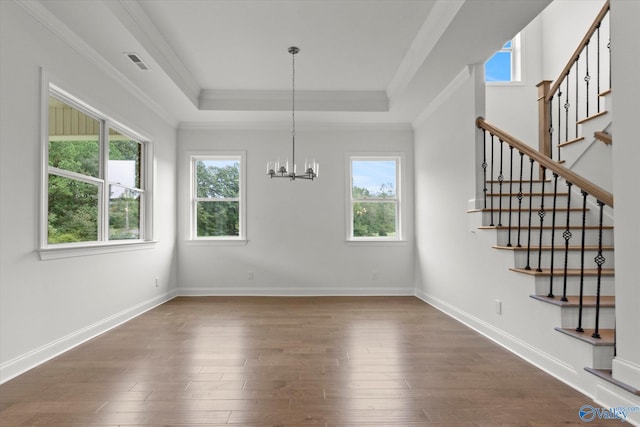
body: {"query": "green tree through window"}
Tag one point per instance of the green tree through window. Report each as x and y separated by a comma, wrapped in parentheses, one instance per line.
(91, 196)
(374, 198)
(217, 197)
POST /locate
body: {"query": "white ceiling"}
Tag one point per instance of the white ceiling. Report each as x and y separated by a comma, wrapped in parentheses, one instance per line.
(227, 61)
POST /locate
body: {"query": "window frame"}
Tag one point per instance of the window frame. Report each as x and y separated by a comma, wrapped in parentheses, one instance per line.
(399, 159)
(103, 244)
(516, 56)
(192, 158)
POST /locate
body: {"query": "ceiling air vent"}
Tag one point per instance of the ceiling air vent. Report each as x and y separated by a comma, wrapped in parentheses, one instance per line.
(136, 60)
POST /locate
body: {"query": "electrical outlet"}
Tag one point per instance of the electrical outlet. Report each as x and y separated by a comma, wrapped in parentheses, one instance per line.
(374, 275)
(498, 306)
(157, 282)
(250, 275)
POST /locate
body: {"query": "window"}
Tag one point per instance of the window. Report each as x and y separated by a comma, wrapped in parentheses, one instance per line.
(504, 65)
(95, 177)
(217, 197)
(374, 198)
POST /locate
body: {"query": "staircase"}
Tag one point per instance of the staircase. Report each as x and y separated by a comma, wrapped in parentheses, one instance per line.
(535, 261)
(552, 208)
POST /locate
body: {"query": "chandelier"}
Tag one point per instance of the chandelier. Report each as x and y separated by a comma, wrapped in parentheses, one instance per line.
(277, 169)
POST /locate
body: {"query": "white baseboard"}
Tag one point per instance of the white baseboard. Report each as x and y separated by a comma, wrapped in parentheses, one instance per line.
(626, 371)
(544, 361)
(610, 396)
(295, 291)
(30, 360)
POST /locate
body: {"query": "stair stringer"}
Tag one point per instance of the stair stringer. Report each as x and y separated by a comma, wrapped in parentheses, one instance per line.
(570, 154)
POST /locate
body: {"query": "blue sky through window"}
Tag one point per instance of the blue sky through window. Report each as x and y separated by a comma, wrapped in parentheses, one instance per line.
(498, 68)
(371, 174)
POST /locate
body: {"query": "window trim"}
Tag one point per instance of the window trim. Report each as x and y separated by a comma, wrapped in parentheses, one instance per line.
(400, 238)
(48, 251)
(517, 74)
(191, 157)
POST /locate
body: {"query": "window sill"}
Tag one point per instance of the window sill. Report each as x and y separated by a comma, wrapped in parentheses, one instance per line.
(373, 242)
(216, 242)
(505, 84)
(94, 249)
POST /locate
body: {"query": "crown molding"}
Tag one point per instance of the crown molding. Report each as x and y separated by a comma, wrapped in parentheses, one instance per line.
(437, 101)
(280, 100)
(64, 33)
(286, 126)
(137, 22)
(432, 29)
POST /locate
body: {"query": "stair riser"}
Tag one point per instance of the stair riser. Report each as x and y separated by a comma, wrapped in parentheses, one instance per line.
(591, 237)
(570, 317)
(607, 286)
(502, 218)
(561, 202)
(571, 152)
(573, 260)
(602, 357)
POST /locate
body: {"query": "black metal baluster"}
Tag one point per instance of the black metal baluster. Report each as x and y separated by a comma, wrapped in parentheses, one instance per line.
(500, 180)
(520, 196)
(510, 193)
(553, 233)
(491, 182)
(567, 236)
(528, 267)
(587, 77)
(551, 130)
(541, 214)
(584, 232)
(598, 66)
(609, 48)
(599, 259)
(559, 119)
(567, 105)
(577, 94)
(484, 164)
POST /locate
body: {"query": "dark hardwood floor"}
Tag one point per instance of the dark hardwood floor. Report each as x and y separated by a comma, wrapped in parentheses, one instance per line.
(392, 361)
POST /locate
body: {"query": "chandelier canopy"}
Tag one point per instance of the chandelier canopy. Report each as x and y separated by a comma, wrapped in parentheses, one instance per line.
(277, 169)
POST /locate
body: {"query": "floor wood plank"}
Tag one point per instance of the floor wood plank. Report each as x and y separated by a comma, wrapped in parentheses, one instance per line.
(328, 361)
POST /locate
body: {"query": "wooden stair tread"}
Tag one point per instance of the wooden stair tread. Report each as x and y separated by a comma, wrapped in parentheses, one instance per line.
(574, 300)
(525, 210)
(607, 375)
(518, 181)
(605, 92)
(571, 141)
(591, 117)
(560, 272)
(557, 248)
(546, 227)
(604, 137)
(525, 195)
(607, 336)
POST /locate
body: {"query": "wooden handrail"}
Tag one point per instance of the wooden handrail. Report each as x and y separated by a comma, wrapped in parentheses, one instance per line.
(576, 54)
(599, 193)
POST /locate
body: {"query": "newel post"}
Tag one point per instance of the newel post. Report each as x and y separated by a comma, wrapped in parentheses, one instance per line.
(544, 121)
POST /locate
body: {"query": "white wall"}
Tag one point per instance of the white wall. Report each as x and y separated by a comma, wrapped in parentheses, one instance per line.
(297, 230)
(513, 106)
(564, 23)
(547, 42)
(626, 154)
(48, 306)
